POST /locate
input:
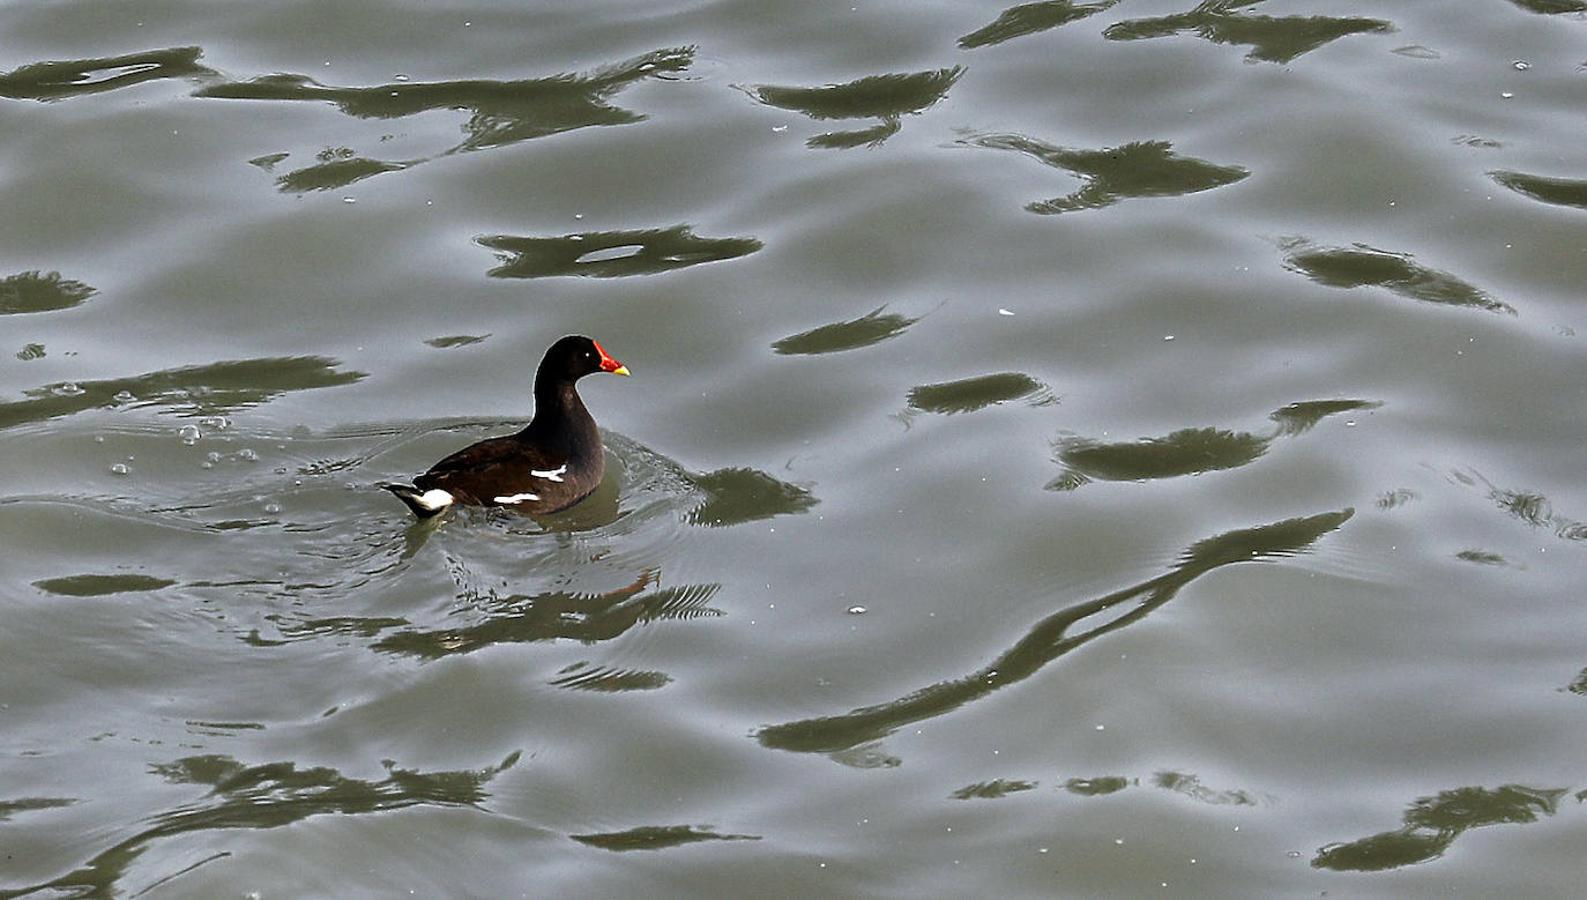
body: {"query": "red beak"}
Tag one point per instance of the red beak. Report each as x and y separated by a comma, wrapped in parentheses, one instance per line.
(607, 363)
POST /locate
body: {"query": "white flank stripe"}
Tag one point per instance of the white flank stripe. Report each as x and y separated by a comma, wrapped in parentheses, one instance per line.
(519, 498)
(550, 474)
(434, 498)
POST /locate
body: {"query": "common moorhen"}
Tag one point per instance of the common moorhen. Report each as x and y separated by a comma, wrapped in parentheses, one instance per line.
(556, 461)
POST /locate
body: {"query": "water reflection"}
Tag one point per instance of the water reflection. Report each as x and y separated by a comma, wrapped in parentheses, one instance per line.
(1558, 191)
(657, 837)
(101, 585)
(1552, 7)
(500, 112)
(553, 615)
(268, 796)
(1189, 451)
(447, 342)
(1140, 169)
(583, 676)
(1277, 39)
(995, 789)
(29, 292)
(1530, 507)
(56, 80)
(220, 387)
(1048, 639)
(1030, 18)
(610, 254)
(1362, 266)
(337, 168)
(873, 327)
(738, 495)
(1433, 823)
(884, 97)
(9, 808)
(970, 394)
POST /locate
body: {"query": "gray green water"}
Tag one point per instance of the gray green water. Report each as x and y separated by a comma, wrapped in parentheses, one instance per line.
(1076, 449)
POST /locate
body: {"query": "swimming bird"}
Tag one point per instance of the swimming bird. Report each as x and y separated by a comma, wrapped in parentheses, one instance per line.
(553, 463)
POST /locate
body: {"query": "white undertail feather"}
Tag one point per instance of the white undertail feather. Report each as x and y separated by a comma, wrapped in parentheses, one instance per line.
(424, 504)
(434, 498)
(550, 474)
(518, 498)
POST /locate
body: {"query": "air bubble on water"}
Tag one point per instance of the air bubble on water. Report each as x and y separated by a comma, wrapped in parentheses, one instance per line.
(217, 423)
(857, 610)
(272, 508)
(189, 434)
(124, 397)
(778, 129)
(1520, 65)
(349, 199)
(399, 77)
(119, 469)
(247, 454)
(1293, 854)
(282, 470)
(1505, 95)
(99, 439)
(69, 389)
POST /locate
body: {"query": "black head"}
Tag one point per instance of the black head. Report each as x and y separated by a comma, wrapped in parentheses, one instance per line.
(576, 356)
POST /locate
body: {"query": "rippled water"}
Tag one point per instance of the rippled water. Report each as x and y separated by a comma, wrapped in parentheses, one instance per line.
(1076, 449)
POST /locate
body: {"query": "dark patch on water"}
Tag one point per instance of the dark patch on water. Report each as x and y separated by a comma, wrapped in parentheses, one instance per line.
(1278, 39)
(610, 254)
(1140, 169)
(456, 340)
(586, 677)
(1031, 18)
(873, 327)
(1433, 823)
(270, 795)
(1362, 266)
(1480, 557)
(220, 387)
(30, 292)
(101, 585)
(971, 394)
(1299, 418)
(885, 97)
(9, 808)
(500, 112)
(656, 837)
(1097, 787)
(1552, 7)
(336, 173)
(59, 79)
(1558, 191)
(992, 790)
(738, 495)
(1048, 639)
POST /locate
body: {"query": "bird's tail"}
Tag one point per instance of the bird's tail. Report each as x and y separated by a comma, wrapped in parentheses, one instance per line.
(424, 504)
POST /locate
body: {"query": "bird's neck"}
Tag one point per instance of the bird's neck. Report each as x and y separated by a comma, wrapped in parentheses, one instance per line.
(560, 418)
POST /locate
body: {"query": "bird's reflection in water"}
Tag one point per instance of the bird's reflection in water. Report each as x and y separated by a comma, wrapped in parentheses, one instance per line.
(552, 615)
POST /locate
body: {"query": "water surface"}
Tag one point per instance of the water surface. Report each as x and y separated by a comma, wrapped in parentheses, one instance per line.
(1075, 449)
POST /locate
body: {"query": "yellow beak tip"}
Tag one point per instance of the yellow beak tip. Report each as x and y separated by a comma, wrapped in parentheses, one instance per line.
(620, 370)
